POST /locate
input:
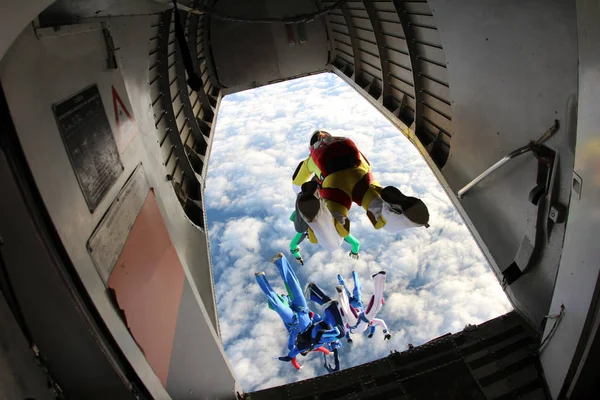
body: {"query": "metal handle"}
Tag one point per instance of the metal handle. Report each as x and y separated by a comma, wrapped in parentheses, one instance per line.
(505, 159)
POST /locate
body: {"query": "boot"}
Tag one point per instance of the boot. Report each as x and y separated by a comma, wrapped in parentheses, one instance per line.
(414, 209)
(276, 257)
(379, 273)
(308, 202)
(387, 335)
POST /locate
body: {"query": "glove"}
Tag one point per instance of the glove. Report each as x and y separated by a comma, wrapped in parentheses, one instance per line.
(285, 358)
(353, 255)
(387, 336)
(349, 341)
(370, 335)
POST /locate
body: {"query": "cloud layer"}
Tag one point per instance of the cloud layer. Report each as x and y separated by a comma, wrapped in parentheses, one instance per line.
(437, 282)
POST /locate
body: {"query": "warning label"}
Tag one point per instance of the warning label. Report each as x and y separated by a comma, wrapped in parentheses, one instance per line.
(126, 128)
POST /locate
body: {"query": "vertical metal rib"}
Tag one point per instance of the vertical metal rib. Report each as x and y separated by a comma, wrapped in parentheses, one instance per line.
(383, 57)
(415, 66)
(165, 89)
(330, 53)
(184, 92)
(192, 45)
(353, 42)
(210, 65)
(193, 40)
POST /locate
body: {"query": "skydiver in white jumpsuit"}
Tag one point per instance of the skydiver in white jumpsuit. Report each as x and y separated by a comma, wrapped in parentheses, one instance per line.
(359, 318)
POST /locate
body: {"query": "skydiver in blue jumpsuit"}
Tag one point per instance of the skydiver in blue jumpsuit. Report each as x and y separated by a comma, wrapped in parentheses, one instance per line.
(355, 300)
(307, 330)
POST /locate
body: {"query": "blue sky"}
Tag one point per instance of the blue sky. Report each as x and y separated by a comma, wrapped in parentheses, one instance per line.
(437, 279)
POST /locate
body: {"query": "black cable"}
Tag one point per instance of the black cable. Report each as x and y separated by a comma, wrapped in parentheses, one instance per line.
(271, 20)
(557, 318)
(8, 291)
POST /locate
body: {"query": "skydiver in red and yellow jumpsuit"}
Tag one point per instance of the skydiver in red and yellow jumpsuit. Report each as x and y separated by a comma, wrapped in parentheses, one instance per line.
(343, 177)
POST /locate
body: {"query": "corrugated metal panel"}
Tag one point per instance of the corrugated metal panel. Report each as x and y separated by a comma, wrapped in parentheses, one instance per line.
(183, 118)
(392, 49)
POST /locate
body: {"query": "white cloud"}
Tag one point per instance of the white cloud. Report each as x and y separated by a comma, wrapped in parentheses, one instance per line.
(437, 280)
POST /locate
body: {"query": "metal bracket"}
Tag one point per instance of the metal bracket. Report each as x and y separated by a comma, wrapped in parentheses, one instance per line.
(558, 213)
(540, 198)
(111, 62)
(301, 27)
(169, 4)
(290, 34)
(521, 150)
(64, 30)
(577, 186)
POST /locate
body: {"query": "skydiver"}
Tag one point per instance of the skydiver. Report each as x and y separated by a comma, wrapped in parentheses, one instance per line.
(333, 317)
(307, 330)
(326, 349)
(354, 297)
(308, 341)
(344, 176)
(332, 314)
(357, 317)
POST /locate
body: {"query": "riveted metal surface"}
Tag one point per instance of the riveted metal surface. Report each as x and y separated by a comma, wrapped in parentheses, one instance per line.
(416, 79)
(395, 52)
(577, 282)
(495, 102)
(21, 14)
(207, 53)
(349, 25)
(181, 135)
(190, 125)
(45, 294)
(130, 35)
(190, 241)
(34, 78)
(176, 157)
(193, 30)
(432, 121)
(72, 11)
(498, 106)
(368, 51)
(381, 47)
(247, 54)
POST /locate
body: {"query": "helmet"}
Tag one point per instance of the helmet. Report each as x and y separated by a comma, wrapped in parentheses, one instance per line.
(316, 136)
